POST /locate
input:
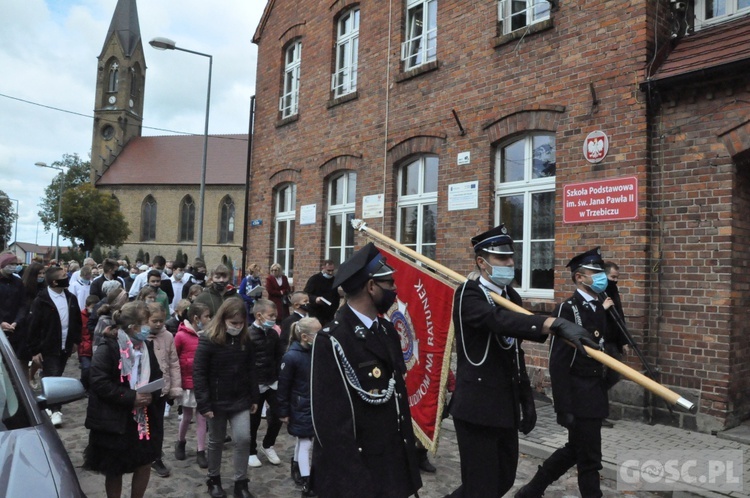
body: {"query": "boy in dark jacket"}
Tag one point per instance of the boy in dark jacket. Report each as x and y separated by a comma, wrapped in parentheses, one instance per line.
(54, 329)
(86, 347)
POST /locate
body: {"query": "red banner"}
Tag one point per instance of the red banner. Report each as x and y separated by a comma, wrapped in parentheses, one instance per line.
(422, 315)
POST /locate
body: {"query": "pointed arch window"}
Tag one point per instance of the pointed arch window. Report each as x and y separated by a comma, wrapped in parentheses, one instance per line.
(187, 219)
(133, 82)
(148, 219)
(226, 223)
(114, 77)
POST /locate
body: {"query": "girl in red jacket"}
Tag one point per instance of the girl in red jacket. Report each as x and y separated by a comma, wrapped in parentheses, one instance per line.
(186, 341)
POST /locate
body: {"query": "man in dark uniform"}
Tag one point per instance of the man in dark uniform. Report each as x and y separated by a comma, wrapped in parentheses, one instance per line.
(493, 397)
(578, 385)
(324, 296)
(364, 442)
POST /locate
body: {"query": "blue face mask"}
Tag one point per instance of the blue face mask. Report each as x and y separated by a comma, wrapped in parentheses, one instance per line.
(502, 275)
(598, 282)
(142, 334)
(267, 324)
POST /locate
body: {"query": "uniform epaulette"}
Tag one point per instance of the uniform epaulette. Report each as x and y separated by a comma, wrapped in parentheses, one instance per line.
(328, 329)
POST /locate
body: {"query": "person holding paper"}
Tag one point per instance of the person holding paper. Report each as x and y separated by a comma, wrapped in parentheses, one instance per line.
(122, 438)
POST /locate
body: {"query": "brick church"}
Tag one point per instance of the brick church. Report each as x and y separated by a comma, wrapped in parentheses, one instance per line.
(156, 179)
(623, 124)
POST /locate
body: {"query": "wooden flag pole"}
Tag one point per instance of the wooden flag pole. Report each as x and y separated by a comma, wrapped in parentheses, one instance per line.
(600, 356)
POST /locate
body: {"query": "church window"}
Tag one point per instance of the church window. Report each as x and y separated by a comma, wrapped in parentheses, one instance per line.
(226, 223)
(114, 77)
(187, 219)
(148, 219)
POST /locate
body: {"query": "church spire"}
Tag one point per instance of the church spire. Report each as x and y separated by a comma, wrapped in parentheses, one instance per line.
(125, 25)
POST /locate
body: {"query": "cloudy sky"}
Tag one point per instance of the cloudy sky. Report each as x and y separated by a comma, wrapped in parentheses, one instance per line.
(48, 56)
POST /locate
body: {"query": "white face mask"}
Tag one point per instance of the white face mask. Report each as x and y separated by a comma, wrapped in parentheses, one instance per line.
(233, 331)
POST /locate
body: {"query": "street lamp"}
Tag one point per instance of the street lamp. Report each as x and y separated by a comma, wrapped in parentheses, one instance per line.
(160, 43)
(59, 204)
(15, 235)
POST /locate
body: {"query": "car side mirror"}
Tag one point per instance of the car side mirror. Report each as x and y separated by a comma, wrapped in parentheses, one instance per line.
(59, 391)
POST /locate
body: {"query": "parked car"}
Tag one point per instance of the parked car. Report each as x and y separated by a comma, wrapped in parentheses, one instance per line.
(33, 460)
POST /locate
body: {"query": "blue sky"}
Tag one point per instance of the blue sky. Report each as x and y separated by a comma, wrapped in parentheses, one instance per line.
(48, 52)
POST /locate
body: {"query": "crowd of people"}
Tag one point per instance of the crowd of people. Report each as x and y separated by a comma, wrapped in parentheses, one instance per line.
(150, 337)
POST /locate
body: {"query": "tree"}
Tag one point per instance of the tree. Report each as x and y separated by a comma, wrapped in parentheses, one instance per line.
(77, 174)
(92, 217)
(8, 217)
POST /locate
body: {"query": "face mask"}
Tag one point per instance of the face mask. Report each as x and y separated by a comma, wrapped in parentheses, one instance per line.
(199, 327)
(501, 275)
(133, 275)
(178, 276)
(220, 286)
(268, 324)
(304, 307)
(233, 331)
(199, 277)
(63, 282)
(19, 268)
(168, 272)
(598, 283)
(121, 268)
(326, 275)
(8, 271)
(142, 334)
(85, 282)
(40, 280)
(389, 297)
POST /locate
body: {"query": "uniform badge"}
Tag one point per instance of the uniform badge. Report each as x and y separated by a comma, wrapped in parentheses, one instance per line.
(597, 334)
(359, 332)
(376, 372)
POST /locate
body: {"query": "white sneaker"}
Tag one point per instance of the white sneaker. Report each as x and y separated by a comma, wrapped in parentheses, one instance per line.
(166, 411)
(271, 455)
(56, 419)
(253, 461)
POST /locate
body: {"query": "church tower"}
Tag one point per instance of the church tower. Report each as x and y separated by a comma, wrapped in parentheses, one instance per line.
(120, 81)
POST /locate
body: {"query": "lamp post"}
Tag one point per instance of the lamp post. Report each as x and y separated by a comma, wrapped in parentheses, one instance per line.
(15, 234)
(160, 43)
(59, 204)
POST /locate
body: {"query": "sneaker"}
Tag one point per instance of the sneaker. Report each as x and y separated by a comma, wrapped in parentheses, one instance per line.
(271, 455)
(179, 418)
(56, 419)
(160, 469)
(166, 411)
(253, 461)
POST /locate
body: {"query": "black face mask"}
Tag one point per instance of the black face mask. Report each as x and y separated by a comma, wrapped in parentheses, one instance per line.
(199, 277)
(62, 282)
(389, 297)
(304, 307)
(220, 286)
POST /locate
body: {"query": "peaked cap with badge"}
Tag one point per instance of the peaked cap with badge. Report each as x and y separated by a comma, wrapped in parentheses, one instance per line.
(363, 265)
(591, 260)
(495, 241)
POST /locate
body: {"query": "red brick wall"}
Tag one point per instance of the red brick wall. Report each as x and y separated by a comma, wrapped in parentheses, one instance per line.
(540, 82)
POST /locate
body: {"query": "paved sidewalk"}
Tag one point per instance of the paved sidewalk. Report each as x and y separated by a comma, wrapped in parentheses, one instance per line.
(269, 481)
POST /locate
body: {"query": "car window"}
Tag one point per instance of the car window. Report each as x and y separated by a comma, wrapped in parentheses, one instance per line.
(13, 413)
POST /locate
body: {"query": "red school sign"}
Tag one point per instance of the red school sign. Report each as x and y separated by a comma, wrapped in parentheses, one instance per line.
(601, 200)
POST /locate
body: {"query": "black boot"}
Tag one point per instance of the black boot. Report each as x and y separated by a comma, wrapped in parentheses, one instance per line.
(240, 489)
(535, 488)
(160, 469)
(214, 487)
(424, 462)
(200, 457)
(296, 476)
(306, 489)
(179, 450)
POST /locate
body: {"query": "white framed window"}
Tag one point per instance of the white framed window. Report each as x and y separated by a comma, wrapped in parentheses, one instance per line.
(289, 100)
(417, 205)
(283, 242)
(420, 46)
(344, 79)
(226, 220)
(517, 14)
(342, 195)
(525, 202)
(113, 84)
(710, 12)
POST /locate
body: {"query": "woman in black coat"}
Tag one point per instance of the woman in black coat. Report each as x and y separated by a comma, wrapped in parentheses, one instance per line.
(123, 437)
(294, 397)
(226, 390)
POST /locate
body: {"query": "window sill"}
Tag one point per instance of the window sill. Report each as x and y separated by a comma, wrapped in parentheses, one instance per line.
(286, 121)
(417, 71)
(501, 40)
(343, 99)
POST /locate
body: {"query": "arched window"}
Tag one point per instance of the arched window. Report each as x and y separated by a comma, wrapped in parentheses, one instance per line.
(342, 193)
(187, 219)
(133, 82)
(347, 47)
(226, 221)
(148, 219)
(525, 202)
(285, 203)
(114, 83)
(417, 205)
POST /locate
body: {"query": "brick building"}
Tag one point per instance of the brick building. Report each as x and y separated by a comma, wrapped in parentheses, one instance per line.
(157, 179)
(435, 120)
